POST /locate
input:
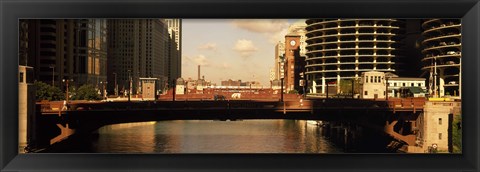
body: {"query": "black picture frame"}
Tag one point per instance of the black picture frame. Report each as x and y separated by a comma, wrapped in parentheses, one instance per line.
(11, 11)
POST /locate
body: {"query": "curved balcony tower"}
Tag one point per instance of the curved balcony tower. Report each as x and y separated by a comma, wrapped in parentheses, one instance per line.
(339, 49)
(442, 56)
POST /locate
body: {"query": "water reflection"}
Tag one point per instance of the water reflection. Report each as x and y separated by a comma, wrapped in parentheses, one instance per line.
(248, 136)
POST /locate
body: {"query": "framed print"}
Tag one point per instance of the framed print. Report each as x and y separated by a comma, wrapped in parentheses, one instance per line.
(247, 85)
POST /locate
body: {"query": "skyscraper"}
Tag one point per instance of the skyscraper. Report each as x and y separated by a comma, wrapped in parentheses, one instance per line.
(279, 53)
(176, 26)
(174, 63)
(443, 55)
(340, 49)
(64, 49)
(137, 48)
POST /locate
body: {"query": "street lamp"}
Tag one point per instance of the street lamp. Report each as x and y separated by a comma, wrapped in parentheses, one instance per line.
(116, 86)
(129, 84)
(66, 81)
(282, 77)
(302, 83)
(104, 92)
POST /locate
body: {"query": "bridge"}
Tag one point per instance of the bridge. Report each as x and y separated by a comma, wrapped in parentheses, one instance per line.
(53, 125)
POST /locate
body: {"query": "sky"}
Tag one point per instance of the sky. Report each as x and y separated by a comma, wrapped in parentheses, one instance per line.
(237, 49)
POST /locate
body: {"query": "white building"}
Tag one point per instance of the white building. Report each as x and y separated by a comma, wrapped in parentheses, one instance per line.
(180, 86)
(373, 85)
(396, 84)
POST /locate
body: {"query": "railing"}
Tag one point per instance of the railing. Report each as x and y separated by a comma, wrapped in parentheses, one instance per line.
(415, 103)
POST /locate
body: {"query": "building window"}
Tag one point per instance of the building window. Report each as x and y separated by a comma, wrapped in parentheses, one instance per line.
(419, 84)
(439, 121)
(395, 84)
(21, 77)
(412, 85)
(371, 79)
(366, 92)
(384, 93)
(439, 136)
(403, 84)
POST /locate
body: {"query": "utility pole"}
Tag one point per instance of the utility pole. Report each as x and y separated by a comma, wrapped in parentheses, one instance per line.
(386, 88)
(435, 78)
(174, 89)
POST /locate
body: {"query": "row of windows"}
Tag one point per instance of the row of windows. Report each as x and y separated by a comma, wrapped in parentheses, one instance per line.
(374, 79)
(404, 84)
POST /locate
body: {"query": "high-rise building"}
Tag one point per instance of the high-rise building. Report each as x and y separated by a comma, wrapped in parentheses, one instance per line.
(60, 49)
(340, 49)
(294, 62)
(176, 26)
(279, 53)
(137, 48)
(299, 29)
(442, 60)
(174, 66)
(96, 68)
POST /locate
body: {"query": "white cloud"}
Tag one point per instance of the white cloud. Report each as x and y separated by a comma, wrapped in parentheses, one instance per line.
(208, 46)
(261, 26)
(245, 48)
(225, 66)
(273, 29)
(196, 60)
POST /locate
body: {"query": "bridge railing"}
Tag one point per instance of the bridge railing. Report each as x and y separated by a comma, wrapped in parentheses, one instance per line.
(415, 103)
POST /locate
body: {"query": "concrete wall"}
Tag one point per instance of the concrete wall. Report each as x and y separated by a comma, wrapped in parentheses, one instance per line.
(26, 106)
(433, 127)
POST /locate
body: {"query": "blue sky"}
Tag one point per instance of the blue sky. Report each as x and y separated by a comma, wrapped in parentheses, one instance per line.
(231, 49)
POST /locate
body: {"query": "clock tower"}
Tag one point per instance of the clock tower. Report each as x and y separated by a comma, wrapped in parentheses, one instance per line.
(295, 64)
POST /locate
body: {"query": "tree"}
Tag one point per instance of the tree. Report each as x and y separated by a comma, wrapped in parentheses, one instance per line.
(47, 92)
(346, 86)
(293, 92)
(86, 92)
(457, 133)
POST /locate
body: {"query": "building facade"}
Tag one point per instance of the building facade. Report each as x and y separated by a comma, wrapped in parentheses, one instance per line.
(373, 85)
(176, 26)
(174, 60)
(395, 84)
(60, 49)
(294, 62)
(279, 54)
(442, 56)
(299, 29)
(137, 48)
(344, 48)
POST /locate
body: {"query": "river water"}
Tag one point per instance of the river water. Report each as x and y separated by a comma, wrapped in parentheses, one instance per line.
(203, 136)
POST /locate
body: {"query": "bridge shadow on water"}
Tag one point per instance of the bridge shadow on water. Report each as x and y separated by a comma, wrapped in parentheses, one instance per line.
(77, 124)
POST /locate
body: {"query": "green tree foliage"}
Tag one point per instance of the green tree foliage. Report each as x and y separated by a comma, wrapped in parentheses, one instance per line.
(47, 92)
(293, 92)
(86, 92)
(457, 133)
(346, 86)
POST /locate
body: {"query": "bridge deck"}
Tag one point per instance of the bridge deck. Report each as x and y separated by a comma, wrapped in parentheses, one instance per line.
(316, 105)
